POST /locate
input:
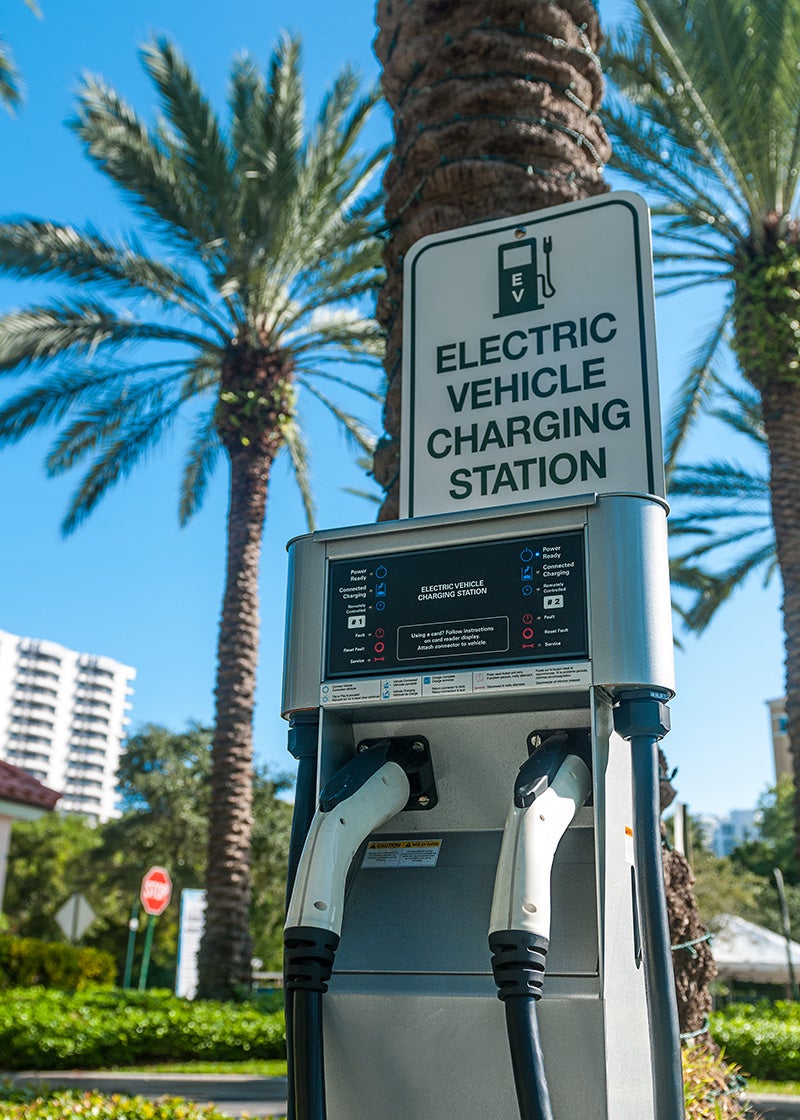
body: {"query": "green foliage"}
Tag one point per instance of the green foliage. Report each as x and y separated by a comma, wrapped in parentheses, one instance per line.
(97, 1029)
(48, 861)
(764, 1039)
(766, 315)
(64, 1103)
(743, 883)
(712, 1086)
(164, 782)
(722, 887)
(25, 962)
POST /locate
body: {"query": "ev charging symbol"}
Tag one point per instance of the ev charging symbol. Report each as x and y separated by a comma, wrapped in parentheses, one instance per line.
(523, 280)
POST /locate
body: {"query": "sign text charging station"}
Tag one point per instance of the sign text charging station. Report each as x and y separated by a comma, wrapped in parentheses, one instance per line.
(476, 923)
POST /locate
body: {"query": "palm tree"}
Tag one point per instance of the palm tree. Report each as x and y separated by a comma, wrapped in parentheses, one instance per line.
(495, 113)
(10, 88)
(266, 237)
(707, 119)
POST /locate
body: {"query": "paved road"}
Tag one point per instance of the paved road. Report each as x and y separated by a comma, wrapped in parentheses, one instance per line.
(775, 1107)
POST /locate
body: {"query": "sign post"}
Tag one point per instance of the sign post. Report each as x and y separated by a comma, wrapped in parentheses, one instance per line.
(529, 364)
(155, 893)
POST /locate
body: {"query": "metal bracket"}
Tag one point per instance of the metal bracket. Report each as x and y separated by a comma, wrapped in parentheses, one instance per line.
(413, 753)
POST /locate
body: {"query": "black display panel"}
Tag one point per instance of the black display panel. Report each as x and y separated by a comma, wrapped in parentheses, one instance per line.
(509, 601)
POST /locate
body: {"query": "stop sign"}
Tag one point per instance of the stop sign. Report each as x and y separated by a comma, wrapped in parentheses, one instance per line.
(156, 890)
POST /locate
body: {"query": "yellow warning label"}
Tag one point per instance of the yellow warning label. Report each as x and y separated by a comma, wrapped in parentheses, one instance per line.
(402, 853)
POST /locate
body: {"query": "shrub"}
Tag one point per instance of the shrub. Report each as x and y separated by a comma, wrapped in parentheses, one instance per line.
(763, 1038)
(26, 962)
(95, 1029)
(66, 1103)
(712, 1086)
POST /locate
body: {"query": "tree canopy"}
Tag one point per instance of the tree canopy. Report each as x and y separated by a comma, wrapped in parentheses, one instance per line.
(165, 797)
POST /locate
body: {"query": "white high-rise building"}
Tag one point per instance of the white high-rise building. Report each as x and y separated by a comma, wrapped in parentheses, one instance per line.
(63, 719)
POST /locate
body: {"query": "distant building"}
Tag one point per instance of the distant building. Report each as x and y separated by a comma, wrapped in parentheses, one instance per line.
(63, 718)
(780, 740)
(723, 834)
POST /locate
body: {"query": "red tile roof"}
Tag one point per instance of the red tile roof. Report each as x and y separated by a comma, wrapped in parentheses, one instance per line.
(16, 785)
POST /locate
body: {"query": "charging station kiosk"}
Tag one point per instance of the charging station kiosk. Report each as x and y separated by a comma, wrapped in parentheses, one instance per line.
(476, 924)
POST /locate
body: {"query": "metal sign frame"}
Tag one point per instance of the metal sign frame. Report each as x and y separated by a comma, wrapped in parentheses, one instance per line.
(529, 360)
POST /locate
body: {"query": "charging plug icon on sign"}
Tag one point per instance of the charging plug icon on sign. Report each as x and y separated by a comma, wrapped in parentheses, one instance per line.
(522, 283)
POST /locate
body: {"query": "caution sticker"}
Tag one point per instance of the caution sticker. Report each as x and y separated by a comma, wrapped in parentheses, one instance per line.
(402, 853)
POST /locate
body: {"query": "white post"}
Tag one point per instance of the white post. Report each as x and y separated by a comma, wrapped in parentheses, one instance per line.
(5, 839)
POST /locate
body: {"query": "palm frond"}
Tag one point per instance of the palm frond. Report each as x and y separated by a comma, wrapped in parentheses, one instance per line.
(718, 479)
(35, 335)
(201, 460)
(724, 585)
(200, 153)
(139, 161)
(10, 85)
(695, 391)
(355, 429)
(30, 248)
(337, 330)
(52, 400)
(117, 461)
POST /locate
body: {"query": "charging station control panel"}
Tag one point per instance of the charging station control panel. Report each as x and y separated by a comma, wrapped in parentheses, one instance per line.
(514, 601)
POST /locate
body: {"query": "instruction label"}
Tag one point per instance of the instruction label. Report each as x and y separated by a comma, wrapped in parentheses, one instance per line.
(535, 678)
(402, 853)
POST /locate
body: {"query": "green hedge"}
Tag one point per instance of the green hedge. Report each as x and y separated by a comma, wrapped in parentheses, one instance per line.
(100, 1029)
(64, 1103)
(764, 1038)
(26, 963)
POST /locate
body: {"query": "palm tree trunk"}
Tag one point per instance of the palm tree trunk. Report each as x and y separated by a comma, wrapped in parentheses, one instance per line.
(225, 951)
(494, 114)
(781, 409)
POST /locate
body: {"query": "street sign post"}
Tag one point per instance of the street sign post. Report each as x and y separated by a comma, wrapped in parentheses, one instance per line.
(529, 364)
(155, 893)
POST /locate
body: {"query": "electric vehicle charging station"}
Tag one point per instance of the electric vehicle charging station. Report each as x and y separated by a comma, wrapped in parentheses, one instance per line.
(475, 701)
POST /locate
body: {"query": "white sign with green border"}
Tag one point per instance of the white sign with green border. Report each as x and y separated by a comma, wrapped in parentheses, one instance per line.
(529, 360)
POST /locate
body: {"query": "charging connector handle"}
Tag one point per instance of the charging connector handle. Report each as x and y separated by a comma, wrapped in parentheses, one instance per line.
(364, 797)
(550, 788)
(368, 791)
(556, 782)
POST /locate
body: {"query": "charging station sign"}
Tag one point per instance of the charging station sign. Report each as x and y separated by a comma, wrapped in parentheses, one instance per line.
(529, 360)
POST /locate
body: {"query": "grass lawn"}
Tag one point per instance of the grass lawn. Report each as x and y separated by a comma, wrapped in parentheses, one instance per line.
(789, 1088)
(266, 1068)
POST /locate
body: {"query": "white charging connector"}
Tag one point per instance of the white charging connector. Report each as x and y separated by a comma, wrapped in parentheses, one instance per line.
(532, 834)
(333, 839)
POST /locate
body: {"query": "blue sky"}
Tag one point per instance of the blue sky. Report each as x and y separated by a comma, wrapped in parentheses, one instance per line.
(132, 585)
